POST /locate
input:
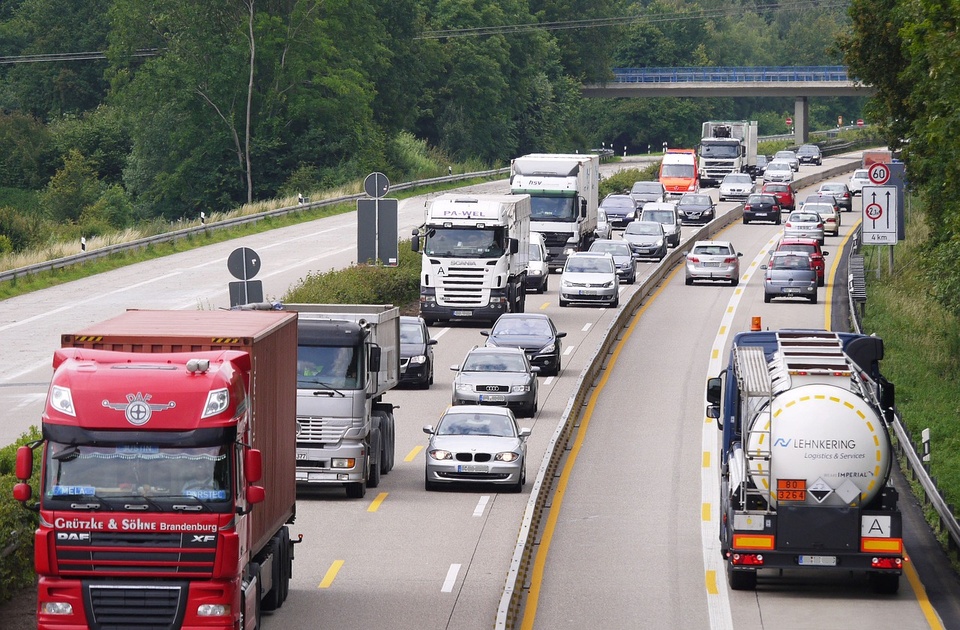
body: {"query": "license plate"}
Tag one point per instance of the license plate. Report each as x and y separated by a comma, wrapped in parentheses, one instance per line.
(791, 290)
(711, 264)
(463, 313)
(818, 561)
(301, 456)
(472, 468)
(760, 214)
(492, 398)
(587, 292)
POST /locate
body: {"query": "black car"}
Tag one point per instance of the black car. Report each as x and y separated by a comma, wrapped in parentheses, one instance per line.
(761, 207)
(416, 352)
(534, 333)
(620, 209)
(762, 161)
(696, 208)
(810, 154)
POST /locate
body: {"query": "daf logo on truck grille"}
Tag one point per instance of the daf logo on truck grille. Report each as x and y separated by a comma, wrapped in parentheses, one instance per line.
(138, 409)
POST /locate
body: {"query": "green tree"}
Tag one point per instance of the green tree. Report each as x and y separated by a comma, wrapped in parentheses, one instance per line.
(26, 149)
(71, 190)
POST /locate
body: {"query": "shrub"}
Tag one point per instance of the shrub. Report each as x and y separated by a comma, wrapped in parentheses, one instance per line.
(17, 524)
(622, 181)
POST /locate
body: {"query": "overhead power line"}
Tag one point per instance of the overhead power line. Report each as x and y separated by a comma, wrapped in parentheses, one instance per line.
(75, 56)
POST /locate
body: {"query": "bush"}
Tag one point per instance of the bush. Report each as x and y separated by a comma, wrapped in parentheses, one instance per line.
(17, 524)
(622, 181)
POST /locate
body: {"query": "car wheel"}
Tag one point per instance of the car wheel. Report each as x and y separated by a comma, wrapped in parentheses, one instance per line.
(616, 302)
(766, 298)
(779, 220)
(820, 282)
(813, 298)
(430, 486)
(746, 221)
(688, 281)
(518, 487)
(735, 282)
(546, 284)
(563, 303)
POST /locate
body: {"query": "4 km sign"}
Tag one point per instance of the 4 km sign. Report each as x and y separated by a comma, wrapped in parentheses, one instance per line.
(879, 212)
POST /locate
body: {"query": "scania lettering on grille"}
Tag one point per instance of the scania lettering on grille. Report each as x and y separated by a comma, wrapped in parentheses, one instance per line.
(138, 408)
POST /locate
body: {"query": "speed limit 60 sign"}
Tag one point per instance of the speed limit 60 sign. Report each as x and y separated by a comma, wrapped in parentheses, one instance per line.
(879, 173)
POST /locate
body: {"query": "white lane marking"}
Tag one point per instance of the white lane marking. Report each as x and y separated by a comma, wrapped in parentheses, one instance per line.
(718, 604)
(440, 333)
(569, 350)
(451, 579)
(586, 327)
(548, 380)
(481, 505)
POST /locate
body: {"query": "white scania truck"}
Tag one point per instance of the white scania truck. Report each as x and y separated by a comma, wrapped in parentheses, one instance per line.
(727, 147)
(475, 253)
(564, 191)
(805, 457)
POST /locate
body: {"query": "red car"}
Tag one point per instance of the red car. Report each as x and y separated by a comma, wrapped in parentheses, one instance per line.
(783, 193)
(809, 246)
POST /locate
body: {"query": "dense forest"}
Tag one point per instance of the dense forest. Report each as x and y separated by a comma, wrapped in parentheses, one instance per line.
(114, 112)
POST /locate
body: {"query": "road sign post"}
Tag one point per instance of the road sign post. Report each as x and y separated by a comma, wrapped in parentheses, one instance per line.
(377, 224)
(880, 215)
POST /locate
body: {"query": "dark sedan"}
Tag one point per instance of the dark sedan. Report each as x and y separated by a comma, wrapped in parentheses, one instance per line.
(696, 208)
(620, 209)
(416, 352)
(534, 333)
(761, 207)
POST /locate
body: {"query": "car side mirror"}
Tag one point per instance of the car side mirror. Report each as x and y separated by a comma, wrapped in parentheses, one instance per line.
(824, 253)
(525, 433)
(485, 333)
(431, 342)
(561, 335)
(428, 429)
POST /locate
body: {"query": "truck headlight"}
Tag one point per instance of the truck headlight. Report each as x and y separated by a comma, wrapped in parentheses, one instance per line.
(62, 400)
(342, 462)
(213, 610)
(217, 402)
(56, 608)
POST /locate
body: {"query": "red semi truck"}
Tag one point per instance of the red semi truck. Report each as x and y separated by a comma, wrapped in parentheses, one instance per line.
(168, 472)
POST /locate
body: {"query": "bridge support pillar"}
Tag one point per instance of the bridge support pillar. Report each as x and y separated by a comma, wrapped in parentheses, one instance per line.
(801, 124)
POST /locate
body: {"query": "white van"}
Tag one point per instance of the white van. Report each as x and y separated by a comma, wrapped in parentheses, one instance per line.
(538, 272)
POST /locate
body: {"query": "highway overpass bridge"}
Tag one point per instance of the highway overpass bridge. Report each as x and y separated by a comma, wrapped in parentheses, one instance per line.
(800, 83)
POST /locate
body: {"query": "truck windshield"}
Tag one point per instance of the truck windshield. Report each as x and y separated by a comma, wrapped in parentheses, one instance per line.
(720, 150)
(333, 367)
(465, 242)
(82, 473)
(552, 209)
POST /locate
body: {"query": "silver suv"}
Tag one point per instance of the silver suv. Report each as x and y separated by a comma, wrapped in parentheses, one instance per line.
(667, 215)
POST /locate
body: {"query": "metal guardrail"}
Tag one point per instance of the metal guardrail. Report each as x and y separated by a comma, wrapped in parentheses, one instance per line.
(518, 575)
(733, 74)
(166, 237)
(904, 444)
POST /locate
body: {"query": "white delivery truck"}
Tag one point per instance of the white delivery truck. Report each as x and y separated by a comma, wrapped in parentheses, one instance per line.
(727, 147)
(475, 253)
(564, 191)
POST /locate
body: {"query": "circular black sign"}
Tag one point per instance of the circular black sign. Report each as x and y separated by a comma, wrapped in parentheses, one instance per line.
(376, 185)
(243, 263)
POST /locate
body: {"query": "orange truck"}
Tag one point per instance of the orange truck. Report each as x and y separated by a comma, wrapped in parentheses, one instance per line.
(678, 172)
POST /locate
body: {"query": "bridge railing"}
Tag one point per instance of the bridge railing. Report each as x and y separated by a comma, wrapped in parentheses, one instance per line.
(730, 74)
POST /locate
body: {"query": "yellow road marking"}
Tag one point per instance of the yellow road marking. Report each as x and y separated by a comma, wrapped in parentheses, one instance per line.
(416, 450)
(331, 574)
(376, 502)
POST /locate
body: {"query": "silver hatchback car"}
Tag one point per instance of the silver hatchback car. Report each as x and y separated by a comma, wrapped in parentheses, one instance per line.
(802, 224)
(496, 376)
(713, 260)
(590, 278)
(474, 444)
(790, 274)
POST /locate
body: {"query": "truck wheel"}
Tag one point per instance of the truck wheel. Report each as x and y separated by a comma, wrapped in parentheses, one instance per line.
(271, 601)
(389, 443)
(286, 554)
(884, 583)
(376, 455)
(741, 580)
(356, 490)
(254, 570)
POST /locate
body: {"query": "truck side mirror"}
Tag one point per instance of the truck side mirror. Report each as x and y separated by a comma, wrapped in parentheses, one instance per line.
(24, 467)
(256, 494)
(374, 358)
(714, 390)
(415, 242)
(514, 246)
(253, 465)
(583, 208)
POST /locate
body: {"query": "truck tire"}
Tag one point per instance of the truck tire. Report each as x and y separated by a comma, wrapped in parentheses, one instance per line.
(387, 440)
(357, 489)
(286, 555)
(254, 570)
(741, 580)
(271, 600)
(376, 454)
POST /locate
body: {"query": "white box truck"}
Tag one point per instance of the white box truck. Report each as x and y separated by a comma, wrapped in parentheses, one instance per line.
(727, 147)
(564, 191)
(475, 253)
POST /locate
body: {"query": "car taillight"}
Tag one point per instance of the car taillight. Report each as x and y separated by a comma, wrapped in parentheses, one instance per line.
(788, 224)
(729, 260)
(693, 259)
(746, 207)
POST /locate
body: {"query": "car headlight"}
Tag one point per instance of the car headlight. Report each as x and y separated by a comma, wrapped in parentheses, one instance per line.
(440, 454)
(535, 272)
(462, 387)
(565, 284)
(420, 359)
(607, 285)
(520, 388)
(509, 456)
(568, 250)
(660, 242)
(546, 349)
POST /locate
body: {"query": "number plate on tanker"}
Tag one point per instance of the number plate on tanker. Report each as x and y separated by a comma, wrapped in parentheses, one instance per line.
(472, 468)
(818, 561)
(791, 489)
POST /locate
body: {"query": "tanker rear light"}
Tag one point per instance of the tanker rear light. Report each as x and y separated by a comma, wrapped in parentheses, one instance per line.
(882, 545)
(886, 563)
(819, 373)
(747, 559)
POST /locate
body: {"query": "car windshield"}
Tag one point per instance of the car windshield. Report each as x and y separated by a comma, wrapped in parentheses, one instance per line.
(583, 264)
(737, 179)
(784, 155)
(521, 326)
(494, 425)
(647, 187)
(535, 253)
(487, 362)
(643, 228)
(618, 202)
(775, 188)
(617, 248)
(778, 166)
(761, 199)
(712, 250)
(790, 262)
(804, 217)
(411, 333)
(660, 216)
(798, 247)
(832, 187)
(695, 200)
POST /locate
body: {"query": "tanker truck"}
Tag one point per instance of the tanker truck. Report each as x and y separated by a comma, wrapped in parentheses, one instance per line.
(167, 481)
(805, 457)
